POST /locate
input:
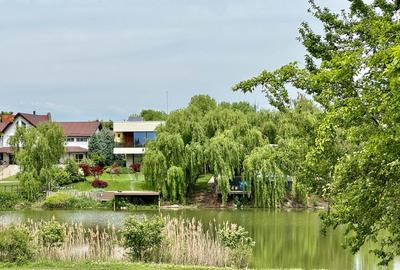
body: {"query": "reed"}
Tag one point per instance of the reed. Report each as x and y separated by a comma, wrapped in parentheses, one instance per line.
(186, 242)
(190, 243)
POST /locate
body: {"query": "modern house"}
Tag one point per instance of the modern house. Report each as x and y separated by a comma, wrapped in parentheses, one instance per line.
(77, 138)
(9, 127)
(131, 137)
(77, 134)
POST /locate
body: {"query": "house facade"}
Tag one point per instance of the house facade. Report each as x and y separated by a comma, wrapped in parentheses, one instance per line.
(131, 137)
(9, 127)
(77, 139)
(77, 135)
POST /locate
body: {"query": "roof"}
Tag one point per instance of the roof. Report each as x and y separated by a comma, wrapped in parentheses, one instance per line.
(34, 119)
(2, 126)
(83, 129)
(135, 118)
(75, 149)
(6, 150)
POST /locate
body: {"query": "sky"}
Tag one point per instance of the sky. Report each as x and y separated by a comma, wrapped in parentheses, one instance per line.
(106, 59)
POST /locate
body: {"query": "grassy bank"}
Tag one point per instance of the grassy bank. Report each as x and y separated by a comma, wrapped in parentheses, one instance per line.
(115, 182)
(102, 266)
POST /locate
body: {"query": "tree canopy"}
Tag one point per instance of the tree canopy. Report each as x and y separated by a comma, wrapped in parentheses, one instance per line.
(206, 137)
(37, 151)
(352, 71)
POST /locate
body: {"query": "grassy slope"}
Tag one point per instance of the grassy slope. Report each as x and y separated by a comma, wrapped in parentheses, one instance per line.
(115, 183)
(102, 266)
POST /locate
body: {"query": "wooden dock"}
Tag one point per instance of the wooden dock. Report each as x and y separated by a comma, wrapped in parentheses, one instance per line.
(110, 195)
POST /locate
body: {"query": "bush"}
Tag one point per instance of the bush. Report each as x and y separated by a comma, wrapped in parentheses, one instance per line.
(99, 184)
(52, 234)
(8, 200)
(57, 200)
(85, 169)
(114, 169)
(65, 200)
(125, 170)
(237, 240)
(136, 167)
(54, 176)
(16, 245)
(96, 170)
(143, 238)
(72, 169)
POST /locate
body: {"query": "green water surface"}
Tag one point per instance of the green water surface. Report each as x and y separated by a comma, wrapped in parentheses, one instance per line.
(284, 239)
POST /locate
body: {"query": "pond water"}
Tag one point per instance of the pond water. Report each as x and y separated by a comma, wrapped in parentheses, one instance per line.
(284, 239)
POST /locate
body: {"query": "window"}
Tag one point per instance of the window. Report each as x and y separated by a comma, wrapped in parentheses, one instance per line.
(70, 139)
(82, 139)
(139, 139)
(78, 157)
(151, 136)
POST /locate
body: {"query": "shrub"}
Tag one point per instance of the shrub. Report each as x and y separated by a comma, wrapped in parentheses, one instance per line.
(96, 171)
(99, 184)
(237, 240)
(114, 169)
(54, 176)
(8, 200)
(65, 200)
(16, 245)
(143, 238)
(85, 169)
(72, 169)
(136, 167)
(52, 234)
(57, 200)
(125, 170)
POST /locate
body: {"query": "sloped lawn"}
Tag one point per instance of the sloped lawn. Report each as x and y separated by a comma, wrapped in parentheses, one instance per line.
(115, 182)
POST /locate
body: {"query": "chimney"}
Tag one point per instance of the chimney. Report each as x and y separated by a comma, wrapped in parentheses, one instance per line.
(34, 112)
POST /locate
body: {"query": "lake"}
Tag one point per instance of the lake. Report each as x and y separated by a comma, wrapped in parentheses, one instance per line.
(284, 239)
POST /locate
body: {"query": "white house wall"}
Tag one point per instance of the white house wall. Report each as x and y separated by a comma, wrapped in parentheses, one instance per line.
(10, 130)
(136, 126)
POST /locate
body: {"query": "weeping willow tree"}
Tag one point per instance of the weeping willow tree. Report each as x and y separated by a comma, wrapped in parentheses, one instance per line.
(194, 161)
(154, 168)
(265, 177)
(172, 147)
(224, 156)
(175, 186)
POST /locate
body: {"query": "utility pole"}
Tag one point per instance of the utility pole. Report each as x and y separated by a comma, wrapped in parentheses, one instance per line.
(167, 101)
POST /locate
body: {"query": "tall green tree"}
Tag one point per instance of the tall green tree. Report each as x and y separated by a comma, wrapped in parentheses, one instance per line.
(352, 71)
(101, 146)
(153, 115)
(37, 150)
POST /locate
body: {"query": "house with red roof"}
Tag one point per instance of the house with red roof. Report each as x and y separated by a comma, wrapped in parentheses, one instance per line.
(77, 134)
(9, 127)
(77, 138)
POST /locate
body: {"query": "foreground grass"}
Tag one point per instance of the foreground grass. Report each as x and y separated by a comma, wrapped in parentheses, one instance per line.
(115, 182)
(101, 266)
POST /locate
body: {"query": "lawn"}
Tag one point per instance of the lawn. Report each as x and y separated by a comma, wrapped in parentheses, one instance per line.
(102, 266)
(115, 182)
(201, 183)
(12, 180)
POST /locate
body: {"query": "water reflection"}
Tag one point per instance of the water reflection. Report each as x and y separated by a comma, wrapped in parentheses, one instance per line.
(284, 239)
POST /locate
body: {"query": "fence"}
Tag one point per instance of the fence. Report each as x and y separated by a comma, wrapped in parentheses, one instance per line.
(12, 188)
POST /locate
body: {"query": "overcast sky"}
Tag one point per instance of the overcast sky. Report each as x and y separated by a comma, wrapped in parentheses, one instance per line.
(105, 59)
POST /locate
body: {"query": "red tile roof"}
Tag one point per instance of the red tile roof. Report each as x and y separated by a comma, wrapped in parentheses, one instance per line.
(82, 129)
(2, 126)
(75, 149)
(34, 119)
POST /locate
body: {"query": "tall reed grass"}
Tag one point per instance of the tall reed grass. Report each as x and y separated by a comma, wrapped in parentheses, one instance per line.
(187, 242)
